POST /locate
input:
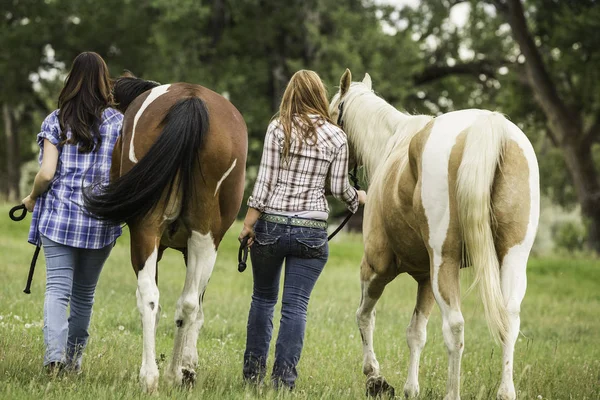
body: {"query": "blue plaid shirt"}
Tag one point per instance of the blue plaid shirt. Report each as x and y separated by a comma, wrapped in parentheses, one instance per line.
(59, 214)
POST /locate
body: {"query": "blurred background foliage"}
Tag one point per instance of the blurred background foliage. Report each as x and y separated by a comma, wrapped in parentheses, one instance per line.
(537, 61)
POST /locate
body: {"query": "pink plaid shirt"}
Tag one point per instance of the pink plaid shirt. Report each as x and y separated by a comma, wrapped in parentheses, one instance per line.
(299, 184)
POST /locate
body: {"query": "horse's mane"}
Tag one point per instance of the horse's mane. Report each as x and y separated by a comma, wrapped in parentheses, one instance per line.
(374, 127)
(126, 89)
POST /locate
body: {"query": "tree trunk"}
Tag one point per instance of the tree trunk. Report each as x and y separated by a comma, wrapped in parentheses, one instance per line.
(583, 172)
(565, 124)
(13, 162)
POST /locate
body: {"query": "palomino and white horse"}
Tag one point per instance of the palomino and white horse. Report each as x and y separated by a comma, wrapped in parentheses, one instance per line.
(461, 189)
(177, 179)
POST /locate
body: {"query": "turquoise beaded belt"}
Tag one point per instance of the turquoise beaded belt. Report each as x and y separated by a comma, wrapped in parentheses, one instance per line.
(295, 221)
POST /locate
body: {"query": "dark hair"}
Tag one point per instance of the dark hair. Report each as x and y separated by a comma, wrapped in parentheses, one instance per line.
(86, 94)
(127, 88)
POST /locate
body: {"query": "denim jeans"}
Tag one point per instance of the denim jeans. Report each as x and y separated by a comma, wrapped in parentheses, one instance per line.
(305, 251)
(71, 277)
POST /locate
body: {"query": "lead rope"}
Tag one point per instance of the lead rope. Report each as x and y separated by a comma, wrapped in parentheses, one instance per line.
(13, 215)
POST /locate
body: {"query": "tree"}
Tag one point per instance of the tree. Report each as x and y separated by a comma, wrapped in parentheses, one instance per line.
(25, 28)
(546, 50)
(570, 99)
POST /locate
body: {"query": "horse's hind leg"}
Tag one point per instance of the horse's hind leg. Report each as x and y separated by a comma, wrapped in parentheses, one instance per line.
(516, 206)
(416, 335)
(144, 256)
(189, 317)
(372, 285)
(514, 283)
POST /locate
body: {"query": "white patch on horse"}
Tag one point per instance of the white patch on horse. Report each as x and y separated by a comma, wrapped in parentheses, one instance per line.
(189, 316)
(147, 301)
(154, 94)
(225, 175)
(434, 191)
(435, 197)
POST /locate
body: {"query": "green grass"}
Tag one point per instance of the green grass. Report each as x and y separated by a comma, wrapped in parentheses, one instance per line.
(557, 355)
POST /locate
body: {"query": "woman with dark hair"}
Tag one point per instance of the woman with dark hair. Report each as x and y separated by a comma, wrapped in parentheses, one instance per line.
(287, 221)
(76, 143)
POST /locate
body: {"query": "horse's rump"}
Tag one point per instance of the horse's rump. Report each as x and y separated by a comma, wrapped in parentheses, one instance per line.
(178, 143)
(166, 169)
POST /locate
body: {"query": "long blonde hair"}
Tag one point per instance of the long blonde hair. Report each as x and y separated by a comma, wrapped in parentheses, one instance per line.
(305, 94)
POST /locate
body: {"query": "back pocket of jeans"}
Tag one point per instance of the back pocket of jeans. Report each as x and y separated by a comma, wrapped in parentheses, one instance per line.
(312, 247)
(264, 243)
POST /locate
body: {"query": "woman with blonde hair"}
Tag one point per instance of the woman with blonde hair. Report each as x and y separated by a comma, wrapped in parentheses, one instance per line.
(287, 220)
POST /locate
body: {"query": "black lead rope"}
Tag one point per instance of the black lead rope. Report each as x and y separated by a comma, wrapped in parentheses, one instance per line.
(13, 215)
(354, 179)
(243, 250)
(243, 254)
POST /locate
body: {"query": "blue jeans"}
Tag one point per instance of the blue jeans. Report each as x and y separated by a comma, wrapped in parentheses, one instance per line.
(71, 276)
(305, 251)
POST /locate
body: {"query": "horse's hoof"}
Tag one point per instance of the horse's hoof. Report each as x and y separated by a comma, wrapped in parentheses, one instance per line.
(149, 380)
(378, 387)
(189, 377)
(411, 391)
(506, 392)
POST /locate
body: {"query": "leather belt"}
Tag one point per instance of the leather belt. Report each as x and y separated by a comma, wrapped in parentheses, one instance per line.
(295, 221)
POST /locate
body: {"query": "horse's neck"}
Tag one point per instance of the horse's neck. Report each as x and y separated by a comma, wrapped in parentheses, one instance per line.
(377, 133)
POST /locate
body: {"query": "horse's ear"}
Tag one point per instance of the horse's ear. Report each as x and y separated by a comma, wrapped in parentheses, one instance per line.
(127, 74)
(345, 82)
(367, 81)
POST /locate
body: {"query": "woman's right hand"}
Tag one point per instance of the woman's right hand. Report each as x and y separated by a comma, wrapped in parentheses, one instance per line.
(249, 232)
(362, 197)
(29, 203)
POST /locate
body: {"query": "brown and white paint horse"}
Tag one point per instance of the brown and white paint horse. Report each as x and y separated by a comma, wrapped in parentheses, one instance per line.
(177, 180)
(461, 189)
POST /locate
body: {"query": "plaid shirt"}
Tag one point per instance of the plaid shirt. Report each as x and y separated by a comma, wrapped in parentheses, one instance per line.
(58, 213)
(299, 185)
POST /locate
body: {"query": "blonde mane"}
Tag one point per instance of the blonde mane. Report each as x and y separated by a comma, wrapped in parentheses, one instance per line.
(375, 128)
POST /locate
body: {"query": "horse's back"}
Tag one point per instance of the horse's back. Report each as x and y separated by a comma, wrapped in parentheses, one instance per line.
(147, 112)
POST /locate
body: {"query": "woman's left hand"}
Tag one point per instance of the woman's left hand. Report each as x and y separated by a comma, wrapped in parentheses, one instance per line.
(29, 203)
(247, 231)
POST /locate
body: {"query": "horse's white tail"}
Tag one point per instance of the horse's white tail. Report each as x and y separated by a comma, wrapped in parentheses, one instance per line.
(482, 155)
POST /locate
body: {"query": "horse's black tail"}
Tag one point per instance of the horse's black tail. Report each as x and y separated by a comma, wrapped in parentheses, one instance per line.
(135, 194)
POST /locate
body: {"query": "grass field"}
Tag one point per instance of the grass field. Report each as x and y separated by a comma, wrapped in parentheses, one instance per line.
(557, 355)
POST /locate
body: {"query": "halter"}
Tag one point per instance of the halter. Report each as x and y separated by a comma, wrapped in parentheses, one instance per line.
(340, 120)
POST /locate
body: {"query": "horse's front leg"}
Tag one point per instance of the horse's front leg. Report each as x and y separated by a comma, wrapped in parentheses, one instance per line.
(446, 289)
(201, 257)
(372, 286)
(416, 335)
(144, 256)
